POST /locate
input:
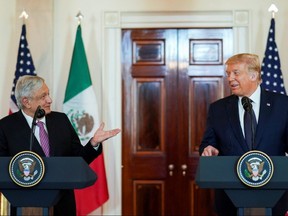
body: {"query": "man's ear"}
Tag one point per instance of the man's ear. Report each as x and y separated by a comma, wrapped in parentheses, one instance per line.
(26, 102)
(253, 76)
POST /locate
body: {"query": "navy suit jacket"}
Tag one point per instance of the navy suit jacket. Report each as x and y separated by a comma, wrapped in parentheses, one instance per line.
(63, 140)
(223, 130)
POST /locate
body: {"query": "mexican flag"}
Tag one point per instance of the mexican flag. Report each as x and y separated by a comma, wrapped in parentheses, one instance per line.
(81, 107)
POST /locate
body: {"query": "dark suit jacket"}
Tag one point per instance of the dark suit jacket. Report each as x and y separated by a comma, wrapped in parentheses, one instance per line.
(224, 132)
(15, 137)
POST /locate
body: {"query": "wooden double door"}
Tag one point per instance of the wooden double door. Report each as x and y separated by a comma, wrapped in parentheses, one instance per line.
(169, 78)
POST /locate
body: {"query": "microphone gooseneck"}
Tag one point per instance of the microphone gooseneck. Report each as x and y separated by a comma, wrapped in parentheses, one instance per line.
(39, 113)
(246, 103)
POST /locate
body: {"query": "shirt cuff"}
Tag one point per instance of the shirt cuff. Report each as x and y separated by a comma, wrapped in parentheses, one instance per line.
(96, 147)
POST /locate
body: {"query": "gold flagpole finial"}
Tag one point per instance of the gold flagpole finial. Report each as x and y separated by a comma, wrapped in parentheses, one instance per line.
(79, 16)
(273, 9)
(23, 16)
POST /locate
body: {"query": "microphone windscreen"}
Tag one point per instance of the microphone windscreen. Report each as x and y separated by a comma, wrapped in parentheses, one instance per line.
(40, 113)
(246, 103)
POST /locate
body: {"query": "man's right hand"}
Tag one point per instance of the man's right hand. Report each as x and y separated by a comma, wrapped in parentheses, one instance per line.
(210, 151)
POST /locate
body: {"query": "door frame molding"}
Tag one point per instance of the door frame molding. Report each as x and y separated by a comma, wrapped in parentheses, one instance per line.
(112, 24)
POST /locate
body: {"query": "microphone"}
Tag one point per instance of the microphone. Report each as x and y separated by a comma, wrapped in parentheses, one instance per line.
(39, 113)
(246, 103)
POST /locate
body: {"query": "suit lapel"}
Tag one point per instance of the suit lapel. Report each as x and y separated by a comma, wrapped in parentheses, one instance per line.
(24, 130)
(27, 131)
(265, 109)
(52, 137)
(233, 113)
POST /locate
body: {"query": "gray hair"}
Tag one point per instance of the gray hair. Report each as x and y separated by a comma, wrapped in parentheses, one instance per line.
(26, 87)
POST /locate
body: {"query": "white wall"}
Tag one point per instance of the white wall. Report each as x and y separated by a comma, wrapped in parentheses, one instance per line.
(51, 30)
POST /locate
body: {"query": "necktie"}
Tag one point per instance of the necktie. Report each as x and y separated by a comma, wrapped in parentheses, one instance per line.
(44, 141)
(250, 125)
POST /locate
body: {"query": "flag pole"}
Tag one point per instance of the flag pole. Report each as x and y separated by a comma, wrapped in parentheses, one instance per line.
(273, 9)
(4, 205)
(23, 16)
(79, 16)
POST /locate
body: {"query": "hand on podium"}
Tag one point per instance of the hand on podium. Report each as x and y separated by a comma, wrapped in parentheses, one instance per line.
(210, 151)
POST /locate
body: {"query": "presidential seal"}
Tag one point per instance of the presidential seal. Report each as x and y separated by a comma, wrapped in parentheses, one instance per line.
(26, 169)
(255, 168)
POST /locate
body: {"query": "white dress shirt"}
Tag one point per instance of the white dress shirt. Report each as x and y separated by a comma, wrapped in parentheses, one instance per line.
(255, 97)
(29, 120)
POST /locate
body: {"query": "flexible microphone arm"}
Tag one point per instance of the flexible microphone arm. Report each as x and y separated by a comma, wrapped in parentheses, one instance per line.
(39, 113)
(247, 105)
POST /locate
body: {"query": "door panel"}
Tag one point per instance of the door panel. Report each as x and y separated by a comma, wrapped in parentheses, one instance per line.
(148, 78)
(170, 76)
(202, 54)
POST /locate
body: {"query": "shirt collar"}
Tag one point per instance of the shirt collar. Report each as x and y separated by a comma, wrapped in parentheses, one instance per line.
(29, 119)
(255, 97)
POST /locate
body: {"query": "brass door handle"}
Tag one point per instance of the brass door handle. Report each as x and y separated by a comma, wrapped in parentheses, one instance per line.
(171, 168)
(184, 168)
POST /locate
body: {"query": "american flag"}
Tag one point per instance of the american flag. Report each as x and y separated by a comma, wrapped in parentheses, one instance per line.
(272, 79)
(24, 66)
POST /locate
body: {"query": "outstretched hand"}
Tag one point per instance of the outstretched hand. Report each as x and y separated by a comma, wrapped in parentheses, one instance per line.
(101, 135)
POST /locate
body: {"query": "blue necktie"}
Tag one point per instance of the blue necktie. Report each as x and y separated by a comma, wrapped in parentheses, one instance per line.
(250, 125)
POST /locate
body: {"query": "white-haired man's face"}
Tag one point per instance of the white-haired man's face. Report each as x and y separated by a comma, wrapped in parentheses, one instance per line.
(40, 97)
